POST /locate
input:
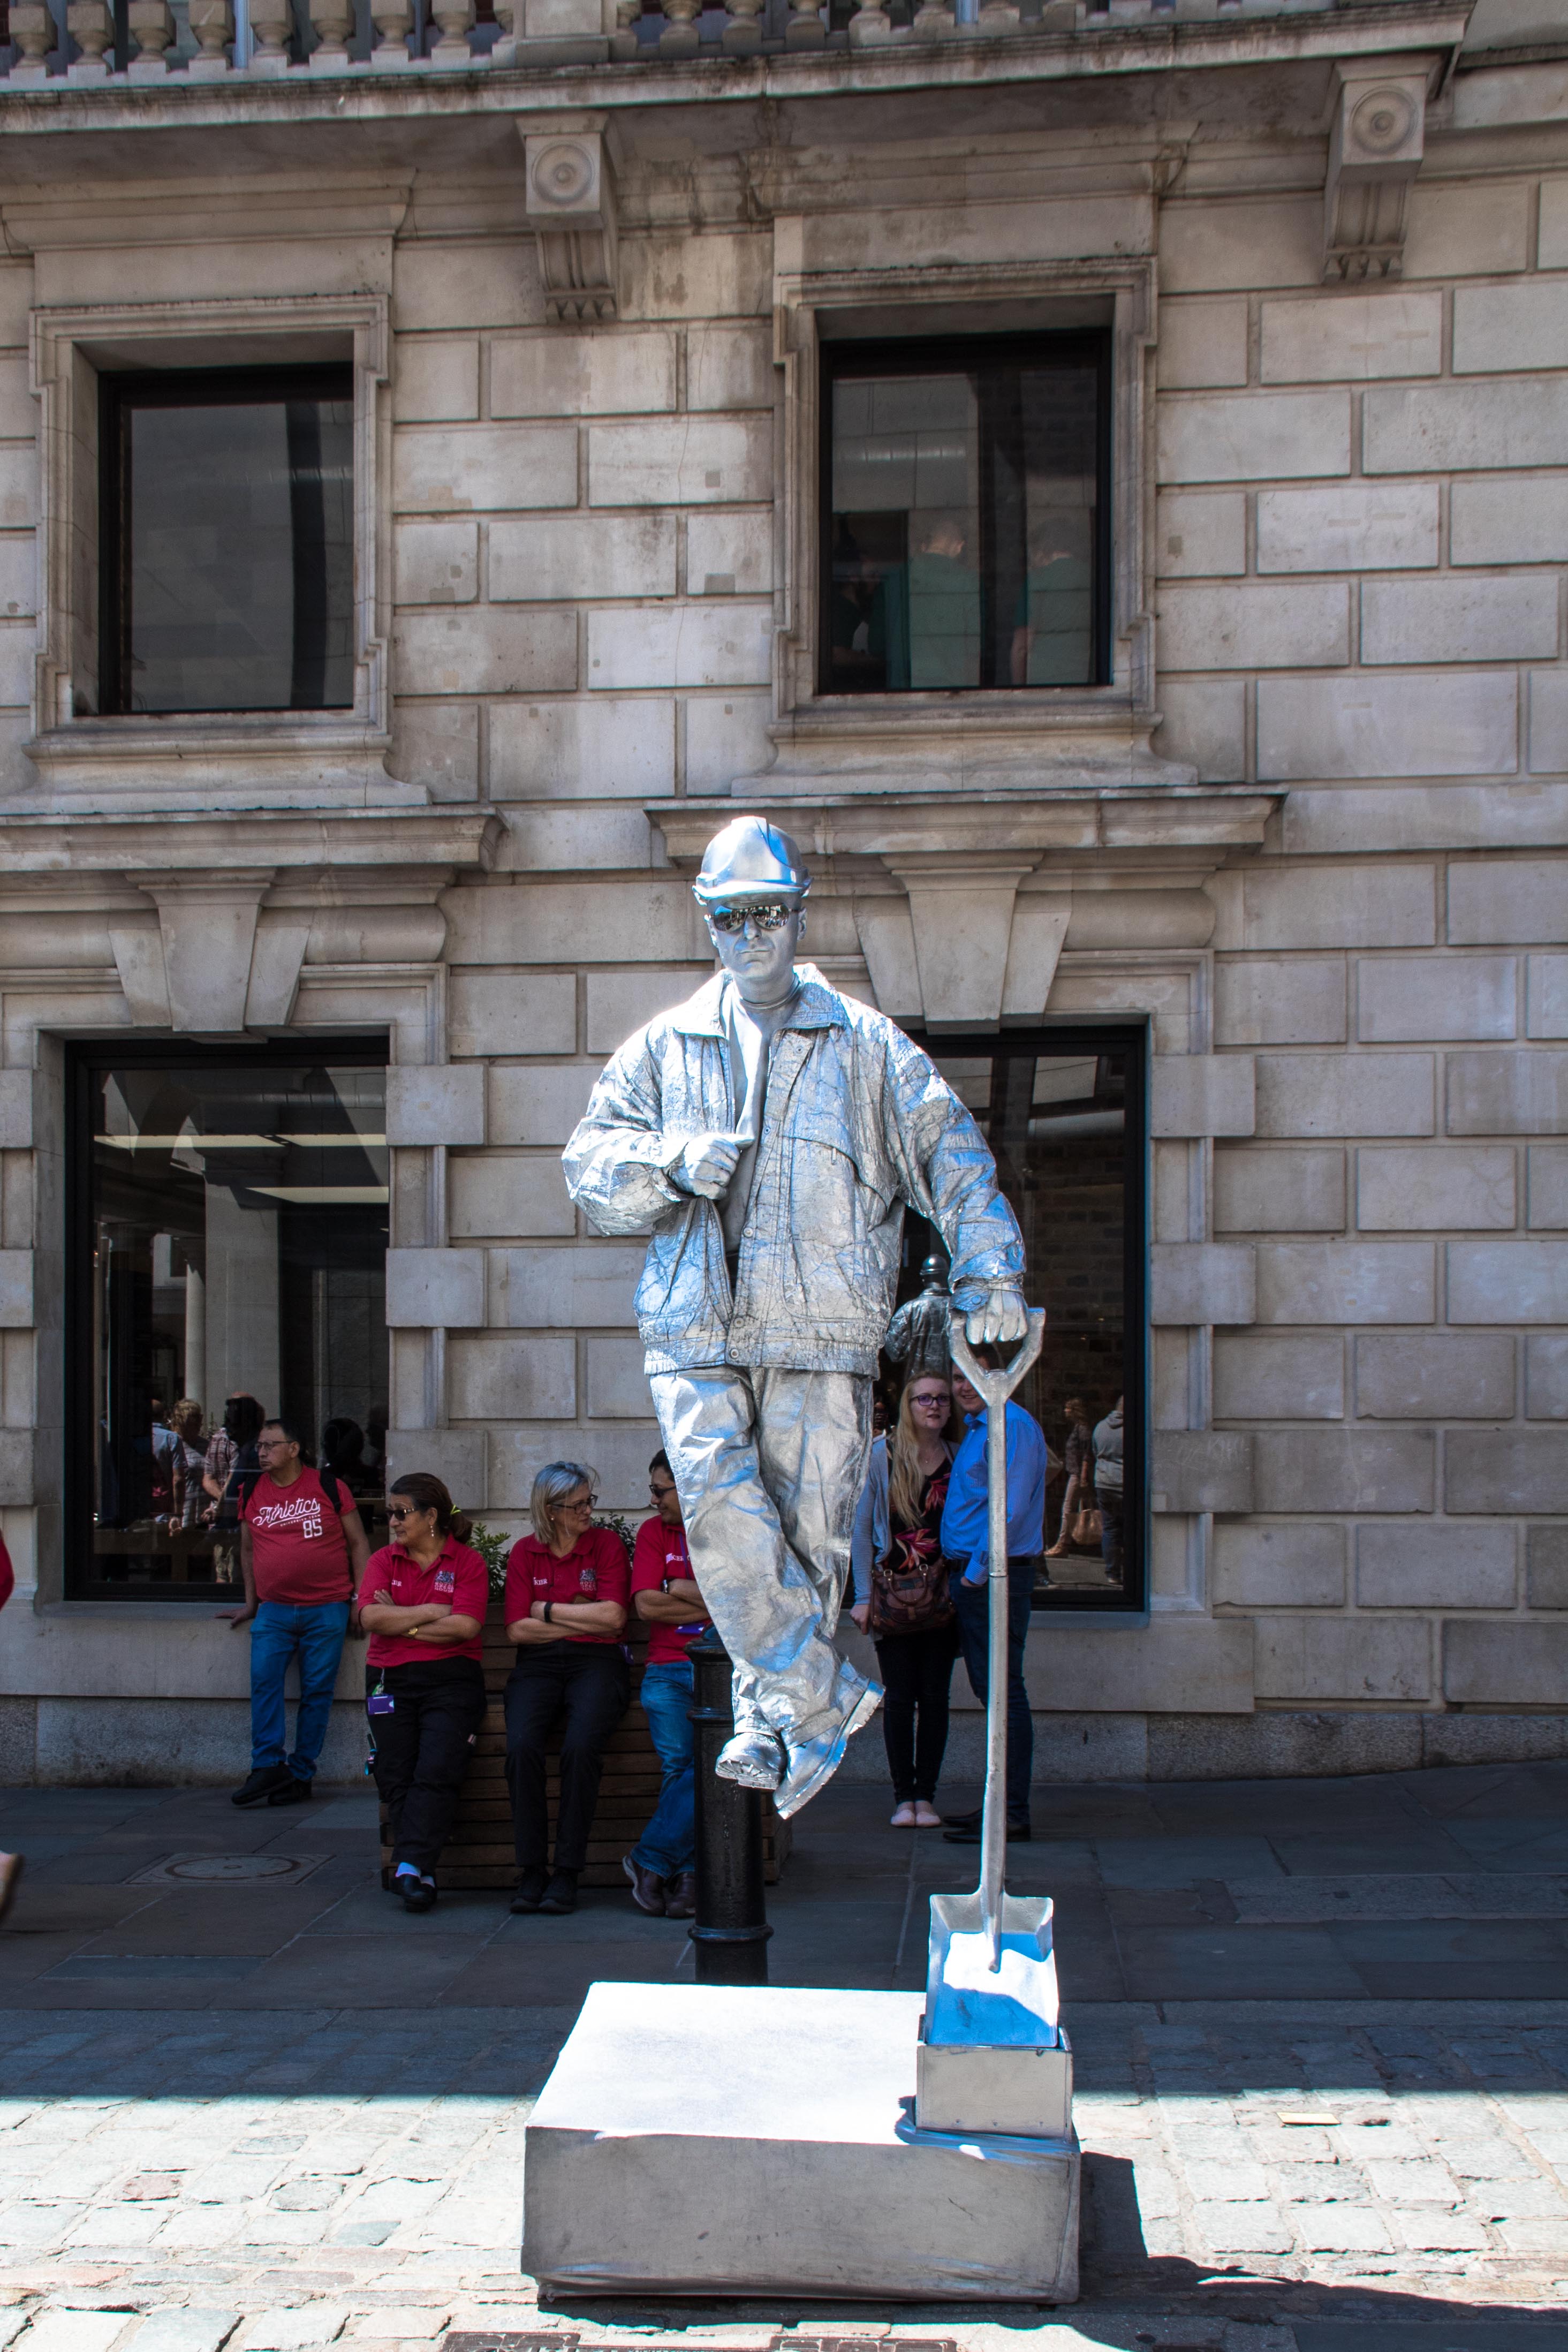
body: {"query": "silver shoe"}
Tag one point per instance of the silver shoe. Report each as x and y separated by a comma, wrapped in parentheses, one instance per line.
(755, 1759)
(814, 1762)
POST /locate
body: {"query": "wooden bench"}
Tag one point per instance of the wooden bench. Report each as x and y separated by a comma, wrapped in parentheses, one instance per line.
(480, 1853)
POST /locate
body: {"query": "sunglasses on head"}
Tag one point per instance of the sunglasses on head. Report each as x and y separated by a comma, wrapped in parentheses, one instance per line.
(772, 917)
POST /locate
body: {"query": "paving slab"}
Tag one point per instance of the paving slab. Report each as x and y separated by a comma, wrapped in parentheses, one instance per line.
(1292, 2121)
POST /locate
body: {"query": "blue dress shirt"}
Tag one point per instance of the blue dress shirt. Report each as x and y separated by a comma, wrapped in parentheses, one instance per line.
(965, 1526)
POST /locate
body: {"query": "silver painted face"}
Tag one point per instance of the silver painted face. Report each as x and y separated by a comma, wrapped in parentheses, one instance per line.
(760, 961)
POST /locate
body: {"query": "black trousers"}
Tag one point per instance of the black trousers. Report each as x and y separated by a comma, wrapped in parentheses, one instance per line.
(915, 1669)
(590, 1684)
(423, 1749)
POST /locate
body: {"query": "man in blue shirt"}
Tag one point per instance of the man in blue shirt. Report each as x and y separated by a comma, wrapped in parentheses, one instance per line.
(965, 1543)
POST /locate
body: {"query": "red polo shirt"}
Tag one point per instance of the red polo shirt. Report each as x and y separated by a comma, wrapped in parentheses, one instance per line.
(661, 1558)
(595, 1569)
(457, 1575)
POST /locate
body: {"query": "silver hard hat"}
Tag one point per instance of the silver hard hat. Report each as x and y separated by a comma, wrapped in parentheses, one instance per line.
(751, 859)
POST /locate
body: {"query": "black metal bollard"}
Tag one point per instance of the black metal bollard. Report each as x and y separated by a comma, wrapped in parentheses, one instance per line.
(731, 1930)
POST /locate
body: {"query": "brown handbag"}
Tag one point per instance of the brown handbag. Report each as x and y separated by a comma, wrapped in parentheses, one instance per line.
(1088, 1527)
(910, 1600)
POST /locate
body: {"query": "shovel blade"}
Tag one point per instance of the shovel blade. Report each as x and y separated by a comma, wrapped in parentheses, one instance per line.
(992, 2055)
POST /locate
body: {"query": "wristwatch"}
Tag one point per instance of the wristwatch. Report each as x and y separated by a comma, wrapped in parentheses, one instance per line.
(549, 1606)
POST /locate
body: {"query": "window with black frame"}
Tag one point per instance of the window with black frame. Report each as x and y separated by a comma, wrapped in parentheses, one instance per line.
(1063, 1113)
(226, 1260)
(228, 559)
(966, 511)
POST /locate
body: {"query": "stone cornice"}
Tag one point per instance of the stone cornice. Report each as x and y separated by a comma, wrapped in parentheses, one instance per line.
(251, 841)
(1201, 816)
(359, 96)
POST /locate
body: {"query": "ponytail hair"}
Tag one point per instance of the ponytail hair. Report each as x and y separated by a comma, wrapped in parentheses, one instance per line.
(426, 1492)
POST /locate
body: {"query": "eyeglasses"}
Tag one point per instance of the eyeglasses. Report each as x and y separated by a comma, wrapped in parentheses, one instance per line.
(769, 917)
(658, 1492)
(582, 1503)
(404, 1511)
(938, 1403)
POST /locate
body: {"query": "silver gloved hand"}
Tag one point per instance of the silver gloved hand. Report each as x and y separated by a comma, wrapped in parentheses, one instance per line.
(706, 1165)
(1001, 1321)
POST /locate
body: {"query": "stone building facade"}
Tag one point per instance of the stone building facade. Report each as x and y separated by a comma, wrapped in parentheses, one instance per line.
(1304, 833)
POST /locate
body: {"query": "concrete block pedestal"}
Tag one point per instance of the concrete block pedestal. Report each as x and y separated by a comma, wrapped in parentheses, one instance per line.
(712, 2140)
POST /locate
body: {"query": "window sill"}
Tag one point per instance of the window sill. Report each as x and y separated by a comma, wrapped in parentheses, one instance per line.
(285, 758)
(1016, 738)
(136, 1611)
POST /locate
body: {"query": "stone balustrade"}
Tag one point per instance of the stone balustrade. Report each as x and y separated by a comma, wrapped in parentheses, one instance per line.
(314, 37)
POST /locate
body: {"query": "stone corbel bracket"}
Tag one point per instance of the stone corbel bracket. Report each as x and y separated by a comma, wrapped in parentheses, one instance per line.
(985, 890)
(1377, 138)
(570, 198)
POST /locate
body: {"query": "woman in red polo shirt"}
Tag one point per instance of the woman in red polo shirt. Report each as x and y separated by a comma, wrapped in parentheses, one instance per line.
(423, 1602)
(569, 1586)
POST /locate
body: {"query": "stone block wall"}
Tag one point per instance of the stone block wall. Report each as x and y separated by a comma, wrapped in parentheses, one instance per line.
(583, 533)
(1360, 1099)
(1360, 599)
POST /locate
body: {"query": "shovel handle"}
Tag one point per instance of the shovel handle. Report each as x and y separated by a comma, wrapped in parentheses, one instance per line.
(995, 1386)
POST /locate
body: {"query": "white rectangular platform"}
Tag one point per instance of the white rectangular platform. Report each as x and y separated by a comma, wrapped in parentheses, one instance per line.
(734, 2141)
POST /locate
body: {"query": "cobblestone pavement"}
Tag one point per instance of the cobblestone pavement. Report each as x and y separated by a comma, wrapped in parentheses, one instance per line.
(1296, 2174)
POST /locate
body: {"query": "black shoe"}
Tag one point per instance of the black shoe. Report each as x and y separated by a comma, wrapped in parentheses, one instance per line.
(647, 1887)
(1018, 1833)
(681, 1902)
(294, 1791)
(261, 1784)
(561, 1895)
(964, 1821)
(418, 1894)
(529, 1892)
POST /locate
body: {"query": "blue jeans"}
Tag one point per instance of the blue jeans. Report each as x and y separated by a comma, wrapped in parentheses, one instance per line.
(668, 1845)
(973, 1606)
(315, 1636)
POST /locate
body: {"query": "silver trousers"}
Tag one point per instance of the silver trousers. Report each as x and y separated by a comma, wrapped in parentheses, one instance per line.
(769, 1465)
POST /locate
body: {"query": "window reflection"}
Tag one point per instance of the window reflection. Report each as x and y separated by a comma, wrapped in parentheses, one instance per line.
(230, 1263)
(963, 536)
(1066, 1129)
(230, 561)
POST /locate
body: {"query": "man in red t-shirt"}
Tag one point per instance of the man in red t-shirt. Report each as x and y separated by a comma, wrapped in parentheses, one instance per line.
(662, 1865)
(301, 1552)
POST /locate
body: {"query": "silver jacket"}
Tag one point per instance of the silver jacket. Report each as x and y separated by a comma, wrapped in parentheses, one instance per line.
(858, 1121)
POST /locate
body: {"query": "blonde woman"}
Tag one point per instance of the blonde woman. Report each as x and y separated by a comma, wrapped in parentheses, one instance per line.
(901, 1592)
(568, 1587)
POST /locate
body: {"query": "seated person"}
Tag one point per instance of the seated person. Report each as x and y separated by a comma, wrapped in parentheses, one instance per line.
(422, 1599)
(663, 1865)
(1053, 624)
(567, 1588)
(926, 615)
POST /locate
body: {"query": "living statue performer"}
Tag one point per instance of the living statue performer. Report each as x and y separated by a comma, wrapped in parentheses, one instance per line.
(766, 1135)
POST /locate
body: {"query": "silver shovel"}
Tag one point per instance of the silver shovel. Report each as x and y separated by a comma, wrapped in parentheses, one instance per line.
(992, 2056)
